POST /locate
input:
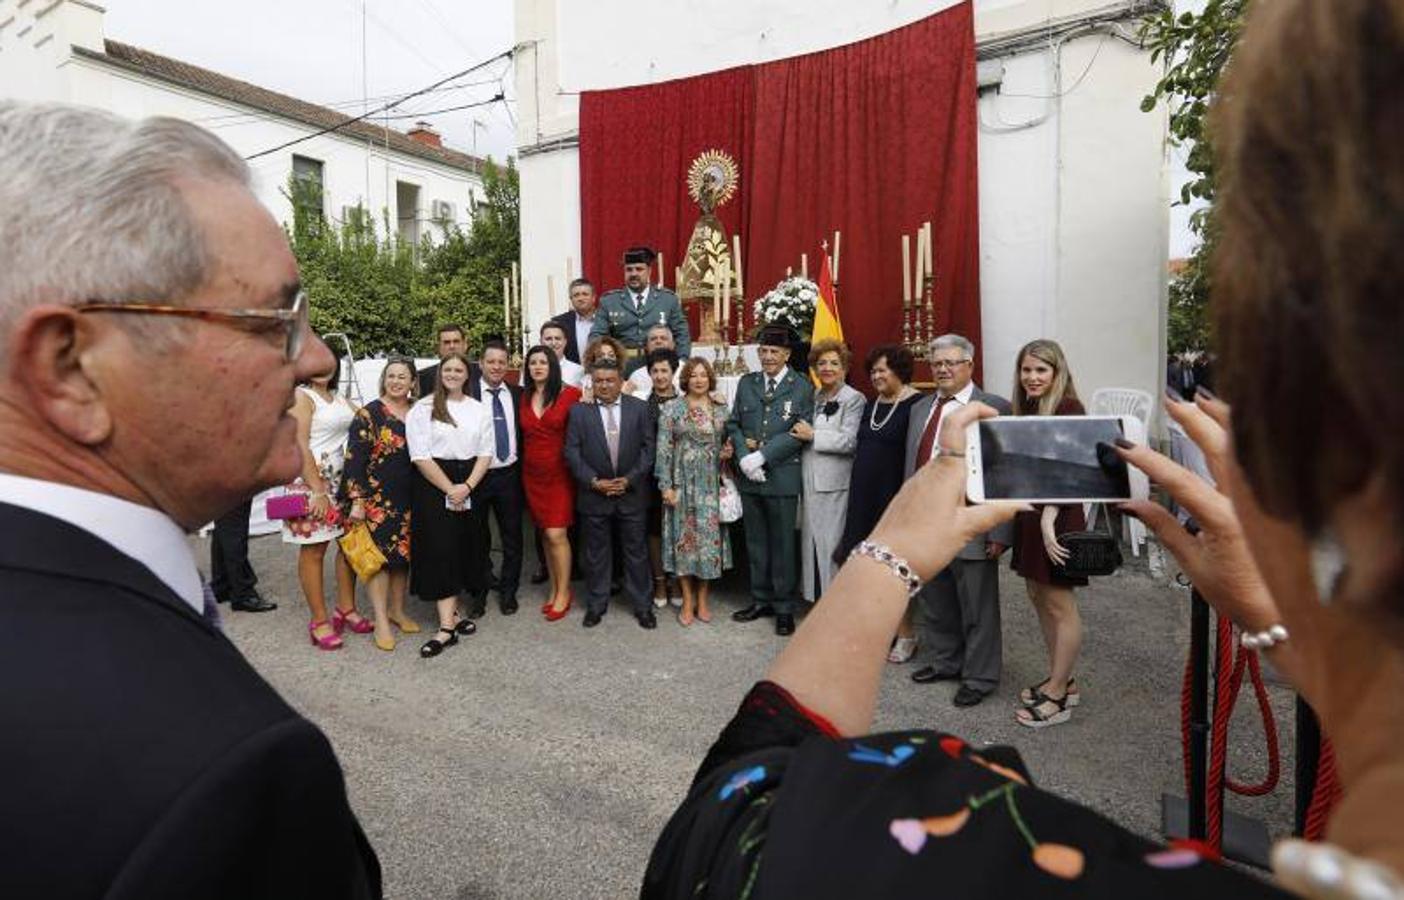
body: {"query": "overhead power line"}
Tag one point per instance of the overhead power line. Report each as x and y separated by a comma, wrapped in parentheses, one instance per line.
(449, 109)
(505, 54)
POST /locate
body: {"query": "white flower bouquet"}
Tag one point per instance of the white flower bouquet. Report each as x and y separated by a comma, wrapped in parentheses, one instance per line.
(791, 302)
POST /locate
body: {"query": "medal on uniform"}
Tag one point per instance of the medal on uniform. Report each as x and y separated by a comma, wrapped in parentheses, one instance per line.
(662, 319)
(786, 413)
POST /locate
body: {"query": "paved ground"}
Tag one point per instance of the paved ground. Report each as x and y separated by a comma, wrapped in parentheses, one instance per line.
(540, 760)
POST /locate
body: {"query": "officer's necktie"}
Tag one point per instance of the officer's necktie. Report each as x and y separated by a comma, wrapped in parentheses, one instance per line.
(499, 425)
(769, 387)
(638, 303)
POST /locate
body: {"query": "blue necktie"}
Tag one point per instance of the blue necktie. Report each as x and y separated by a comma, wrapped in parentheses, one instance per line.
(211, 610)
(499, 425)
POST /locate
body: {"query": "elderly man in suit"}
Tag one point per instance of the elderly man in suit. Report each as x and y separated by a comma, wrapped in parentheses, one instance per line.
(628, 313)
(579, 321)
(957, 613)
(609, 449)
(153, 331)
(768, 405)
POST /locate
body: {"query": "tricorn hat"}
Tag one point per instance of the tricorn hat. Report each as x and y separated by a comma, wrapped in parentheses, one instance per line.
(777, 336)
(643, 255)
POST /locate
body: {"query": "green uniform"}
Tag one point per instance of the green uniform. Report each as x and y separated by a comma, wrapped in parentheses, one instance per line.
(621, 318)
(770, 507)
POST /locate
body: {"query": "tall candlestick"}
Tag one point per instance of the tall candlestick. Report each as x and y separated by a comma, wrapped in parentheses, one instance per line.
(804, 265)
(906, 272)
(834, 270)
(661, 270)
(920, 263)
(736, 257)
(930, 272)
(551, 295)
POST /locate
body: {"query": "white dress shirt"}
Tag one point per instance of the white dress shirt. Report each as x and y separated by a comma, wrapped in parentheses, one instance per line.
(508, 410)
(146, 535)
(469, 438)
(618, 406)
(958, 399)
(643, 382)
(571, 373)
(582, 331)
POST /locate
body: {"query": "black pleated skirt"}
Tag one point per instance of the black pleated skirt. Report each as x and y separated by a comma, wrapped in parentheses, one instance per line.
(448, 549)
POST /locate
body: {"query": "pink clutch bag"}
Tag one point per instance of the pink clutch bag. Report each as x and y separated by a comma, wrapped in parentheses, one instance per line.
(288, 506)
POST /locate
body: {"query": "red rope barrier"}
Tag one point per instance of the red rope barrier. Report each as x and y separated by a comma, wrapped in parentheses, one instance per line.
(1325, 795)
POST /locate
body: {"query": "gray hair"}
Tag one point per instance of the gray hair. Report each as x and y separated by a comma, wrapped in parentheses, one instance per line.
(659, 327)
(947, 341)
(92, 208)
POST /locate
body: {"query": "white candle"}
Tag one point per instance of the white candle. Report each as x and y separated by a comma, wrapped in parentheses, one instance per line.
(804, 265)
(716, 296)
(906, 270)
(834, 269)
(551, 295)
(736, 257)
(570, 270)
(661, 282)
(930, 272)
(726, 297)
(920, 261)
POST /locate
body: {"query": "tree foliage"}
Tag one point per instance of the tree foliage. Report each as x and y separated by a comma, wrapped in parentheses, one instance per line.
(388, 295)
(1196, 48)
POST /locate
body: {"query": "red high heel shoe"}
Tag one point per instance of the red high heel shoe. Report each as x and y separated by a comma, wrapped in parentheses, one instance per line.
(359, 624)
(555, 615)
(326, 642)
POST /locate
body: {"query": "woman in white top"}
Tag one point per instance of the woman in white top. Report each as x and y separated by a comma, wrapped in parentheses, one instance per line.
(323, 423)
(451, 443)
(553, 335)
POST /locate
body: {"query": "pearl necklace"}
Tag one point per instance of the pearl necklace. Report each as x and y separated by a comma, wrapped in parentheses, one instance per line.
(872, 416)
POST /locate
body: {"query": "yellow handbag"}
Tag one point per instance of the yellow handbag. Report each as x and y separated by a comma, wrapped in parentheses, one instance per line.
(361, 552)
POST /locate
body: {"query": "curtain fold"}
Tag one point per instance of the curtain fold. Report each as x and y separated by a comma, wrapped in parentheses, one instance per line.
(872, 138)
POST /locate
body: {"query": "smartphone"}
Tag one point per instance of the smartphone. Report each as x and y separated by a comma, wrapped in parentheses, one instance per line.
(1052, 460)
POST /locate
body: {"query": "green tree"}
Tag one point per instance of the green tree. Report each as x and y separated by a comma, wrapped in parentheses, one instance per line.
(387, 295)
(1197, 48)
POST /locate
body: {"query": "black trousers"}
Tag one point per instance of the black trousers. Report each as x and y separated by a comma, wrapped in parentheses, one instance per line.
(231, 576)
(501, 495)
(598, 557)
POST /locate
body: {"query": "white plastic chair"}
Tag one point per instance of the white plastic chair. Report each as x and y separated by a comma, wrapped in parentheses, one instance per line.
(1126, 402)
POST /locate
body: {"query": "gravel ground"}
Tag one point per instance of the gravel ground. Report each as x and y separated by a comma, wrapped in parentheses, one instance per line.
(540, 759)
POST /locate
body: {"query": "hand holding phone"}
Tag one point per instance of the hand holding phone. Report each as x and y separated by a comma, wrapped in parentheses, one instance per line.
(1052, 460)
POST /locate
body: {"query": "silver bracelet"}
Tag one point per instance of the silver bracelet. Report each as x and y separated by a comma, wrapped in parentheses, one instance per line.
(1262, 640)
(897, 565)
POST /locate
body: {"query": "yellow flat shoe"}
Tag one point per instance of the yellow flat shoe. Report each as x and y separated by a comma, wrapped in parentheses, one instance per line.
(408, 626)
(387, 645)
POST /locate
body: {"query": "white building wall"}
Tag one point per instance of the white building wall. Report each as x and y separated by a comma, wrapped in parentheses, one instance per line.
(1073, 209)
(39, 65)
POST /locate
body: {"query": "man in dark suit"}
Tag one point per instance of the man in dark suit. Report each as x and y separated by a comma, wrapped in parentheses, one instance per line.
(768, 404)
(609, 448)
(957, 612)
(500, 493)
(579, 320)
(143, 756)
(451, 339)
(232, 578)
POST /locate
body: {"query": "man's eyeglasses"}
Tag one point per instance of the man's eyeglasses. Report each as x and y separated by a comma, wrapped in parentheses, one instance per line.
(948, 363)
(294, 318)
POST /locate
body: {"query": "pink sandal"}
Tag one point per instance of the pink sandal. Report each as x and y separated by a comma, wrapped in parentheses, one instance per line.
(329, 642)
(343, 620)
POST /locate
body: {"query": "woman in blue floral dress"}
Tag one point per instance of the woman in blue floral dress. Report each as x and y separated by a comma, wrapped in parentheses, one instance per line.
(691, 448)
(376, 487)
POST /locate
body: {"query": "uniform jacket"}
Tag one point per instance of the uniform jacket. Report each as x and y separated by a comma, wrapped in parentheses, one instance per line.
(618, 318)
(768, 423)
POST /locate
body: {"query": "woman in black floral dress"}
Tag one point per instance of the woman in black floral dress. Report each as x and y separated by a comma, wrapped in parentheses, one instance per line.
(376, 487)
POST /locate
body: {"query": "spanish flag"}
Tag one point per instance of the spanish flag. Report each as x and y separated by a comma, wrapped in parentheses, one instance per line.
(826, 311)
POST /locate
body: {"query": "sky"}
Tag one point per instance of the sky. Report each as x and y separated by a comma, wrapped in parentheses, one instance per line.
(312, 50)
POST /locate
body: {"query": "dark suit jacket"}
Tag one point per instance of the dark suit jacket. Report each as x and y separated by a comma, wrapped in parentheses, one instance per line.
(587, 454)
(141, 755)
(573, 351)
(428, 376)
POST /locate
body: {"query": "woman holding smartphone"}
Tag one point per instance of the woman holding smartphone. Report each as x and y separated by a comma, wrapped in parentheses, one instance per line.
(451, 443)
(1044, 387)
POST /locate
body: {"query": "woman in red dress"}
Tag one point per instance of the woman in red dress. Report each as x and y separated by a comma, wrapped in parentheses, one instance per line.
(1044, 387)
(550, 491)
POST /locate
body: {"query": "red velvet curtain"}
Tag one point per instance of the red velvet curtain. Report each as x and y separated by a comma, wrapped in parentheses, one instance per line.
(872, 138)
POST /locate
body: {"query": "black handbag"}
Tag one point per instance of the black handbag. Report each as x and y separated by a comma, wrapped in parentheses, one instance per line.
(1091, 553)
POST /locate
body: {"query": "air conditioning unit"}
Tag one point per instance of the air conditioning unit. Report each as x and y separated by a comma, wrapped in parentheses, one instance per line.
(442, 211)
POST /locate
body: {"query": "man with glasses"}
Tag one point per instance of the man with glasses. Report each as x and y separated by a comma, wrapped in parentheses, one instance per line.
(957, 612)
(153, 332)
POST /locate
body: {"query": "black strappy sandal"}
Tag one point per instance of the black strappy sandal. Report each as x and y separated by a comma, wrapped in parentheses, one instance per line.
(434, 646)
(465, 627)
(1033, 695)
(1035, 717)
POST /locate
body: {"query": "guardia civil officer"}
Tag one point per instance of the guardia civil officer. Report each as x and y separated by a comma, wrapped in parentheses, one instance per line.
(627, 313)
(768, 404)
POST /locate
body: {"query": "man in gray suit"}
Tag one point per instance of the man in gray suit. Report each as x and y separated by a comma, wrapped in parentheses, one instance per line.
(609, 449)
(957, 613)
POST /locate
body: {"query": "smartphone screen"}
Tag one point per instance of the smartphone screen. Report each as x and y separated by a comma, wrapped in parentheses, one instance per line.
(1052, 458)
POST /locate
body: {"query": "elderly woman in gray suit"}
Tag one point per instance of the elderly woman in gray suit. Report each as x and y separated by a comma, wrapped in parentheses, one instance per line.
(827, 462)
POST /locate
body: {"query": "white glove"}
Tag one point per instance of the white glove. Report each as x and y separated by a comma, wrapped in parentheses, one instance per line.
(753, 465)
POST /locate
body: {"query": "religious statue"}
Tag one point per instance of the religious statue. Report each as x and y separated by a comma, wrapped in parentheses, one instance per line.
(708, 266)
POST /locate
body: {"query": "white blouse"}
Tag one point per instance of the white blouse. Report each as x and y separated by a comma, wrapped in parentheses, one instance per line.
(469, 438)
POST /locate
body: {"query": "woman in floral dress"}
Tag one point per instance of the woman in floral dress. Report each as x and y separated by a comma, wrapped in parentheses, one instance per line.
(691, 448)
(376, 490)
